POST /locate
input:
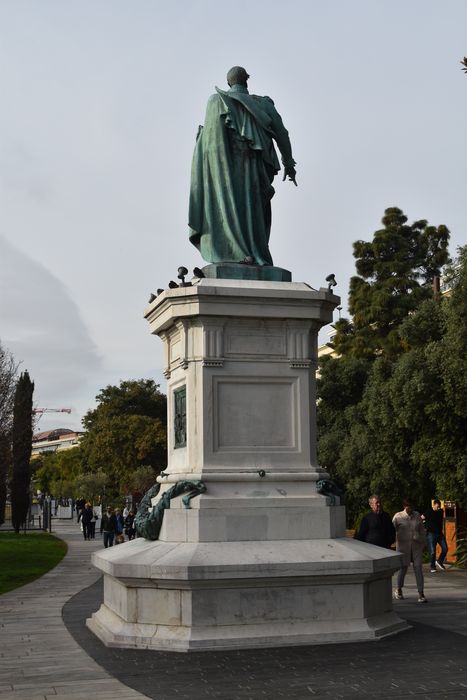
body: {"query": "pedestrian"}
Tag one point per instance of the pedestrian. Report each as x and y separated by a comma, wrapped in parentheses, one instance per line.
(120, 524)
(79, 508)
(125, 512)
(130, 525)
(376, 526)
(434, 519)
(108, 527)
(410, 542)
(92, 525)
(86, 519)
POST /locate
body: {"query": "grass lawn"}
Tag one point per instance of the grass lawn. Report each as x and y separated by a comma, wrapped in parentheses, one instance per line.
(25, 557)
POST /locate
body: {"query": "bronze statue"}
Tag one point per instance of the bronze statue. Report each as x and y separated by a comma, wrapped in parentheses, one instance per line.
(233, 168)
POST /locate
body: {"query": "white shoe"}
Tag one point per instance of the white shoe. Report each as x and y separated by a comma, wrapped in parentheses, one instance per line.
(398, 595)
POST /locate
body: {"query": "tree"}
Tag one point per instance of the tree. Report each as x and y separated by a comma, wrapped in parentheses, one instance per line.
(127, 429)
(406, 436)
(362, 441)
(22, 444)
(56, 472)
(395, 272)
(91, 486)
(138, 481)
(415, 409)
(8, 370)
(444, 445)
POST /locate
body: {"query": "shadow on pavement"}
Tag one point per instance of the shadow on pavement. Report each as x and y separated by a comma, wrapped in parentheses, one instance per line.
(425, 662)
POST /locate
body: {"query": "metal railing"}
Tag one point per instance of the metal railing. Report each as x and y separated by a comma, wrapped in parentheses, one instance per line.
(39, 516)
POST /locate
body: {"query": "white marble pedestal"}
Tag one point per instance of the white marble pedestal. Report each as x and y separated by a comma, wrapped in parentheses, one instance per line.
(260, 559)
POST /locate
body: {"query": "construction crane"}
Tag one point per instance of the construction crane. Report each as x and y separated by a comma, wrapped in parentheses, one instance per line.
(39, 412)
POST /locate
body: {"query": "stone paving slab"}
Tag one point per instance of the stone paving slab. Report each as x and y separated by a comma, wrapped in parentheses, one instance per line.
(38, 656)
(45, 656)
(428, 661)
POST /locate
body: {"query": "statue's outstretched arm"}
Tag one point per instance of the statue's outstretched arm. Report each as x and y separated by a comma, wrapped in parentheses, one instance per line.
(281, 136)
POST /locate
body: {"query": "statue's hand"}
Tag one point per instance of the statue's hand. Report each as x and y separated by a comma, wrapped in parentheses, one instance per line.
(291, 173)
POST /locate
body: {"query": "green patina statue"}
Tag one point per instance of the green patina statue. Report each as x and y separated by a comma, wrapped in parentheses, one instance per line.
(233, 168)
(148, 520)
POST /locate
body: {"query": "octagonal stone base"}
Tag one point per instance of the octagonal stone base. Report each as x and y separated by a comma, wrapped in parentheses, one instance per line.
(258, 559)
(238, 595)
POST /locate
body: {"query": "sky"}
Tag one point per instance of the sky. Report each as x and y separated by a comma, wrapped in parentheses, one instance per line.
(101, 102)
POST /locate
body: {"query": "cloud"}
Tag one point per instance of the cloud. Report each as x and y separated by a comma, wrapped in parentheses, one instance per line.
(22, 171)
(41, 325)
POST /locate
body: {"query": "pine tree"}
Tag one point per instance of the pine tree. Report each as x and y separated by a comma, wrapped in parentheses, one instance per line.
(395, 273)
(22, 444)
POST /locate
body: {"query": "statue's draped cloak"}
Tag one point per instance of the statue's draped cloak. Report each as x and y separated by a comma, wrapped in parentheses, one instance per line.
(234, 164)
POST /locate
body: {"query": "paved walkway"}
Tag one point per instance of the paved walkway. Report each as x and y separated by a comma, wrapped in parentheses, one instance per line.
(38, 656)
(43, 655)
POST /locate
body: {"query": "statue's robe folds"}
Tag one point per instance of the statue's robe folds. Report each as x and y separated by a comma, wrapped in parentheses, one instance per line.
(234, 164)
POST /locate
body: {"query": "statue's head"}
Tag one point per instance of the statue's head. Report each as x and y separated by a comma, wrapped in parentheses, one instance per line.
(237, 76)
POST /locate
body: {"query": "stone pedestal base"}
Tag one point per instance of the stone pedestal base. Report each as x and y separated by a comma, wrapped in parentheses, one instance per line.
(238, 271)
(239, 595)
(259, 559)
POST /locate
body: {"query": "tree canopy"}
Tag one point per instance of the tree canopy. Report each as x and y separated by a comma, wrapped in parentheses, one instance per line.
(56, 472)
(127, 430)
(391, 406)
(395, 272)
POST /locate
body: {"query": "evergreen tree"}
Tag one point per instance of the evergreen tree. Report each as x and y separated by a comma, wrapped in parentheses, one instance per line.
(362, 440)
(22, 444)
(8, 370)
(5, 467)
(395, 273)
(444, 448)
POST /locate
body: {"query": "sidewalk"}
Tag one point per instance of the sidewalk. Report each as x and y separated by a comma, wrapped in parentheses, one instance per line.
(38, 656)
(45, 656)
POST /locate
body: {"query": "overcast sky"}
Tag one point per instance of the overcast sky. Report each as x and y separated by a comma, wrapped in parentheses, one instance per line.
(101, 101)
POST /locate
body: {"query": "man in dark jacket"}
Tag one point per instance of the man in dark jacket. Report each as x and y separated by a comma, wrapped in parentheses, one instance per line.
(130, 525)
(109, 527)
(86, 519)
(376, 527)
(80, 503)
(434, 521)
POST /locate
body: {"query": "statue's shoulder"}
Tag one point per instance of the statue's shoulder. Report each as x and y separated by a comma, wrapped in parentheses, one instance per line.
(264, 99)
(266, 104)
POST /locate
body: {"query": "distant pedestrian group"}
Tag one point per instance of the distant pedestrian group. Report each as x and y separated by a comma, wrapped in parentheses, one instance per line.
(411, 531)
(114, 526)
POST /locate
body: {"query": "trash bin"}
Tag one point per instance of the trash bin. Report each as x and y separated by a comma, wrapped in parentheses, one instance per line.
(455, 517)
